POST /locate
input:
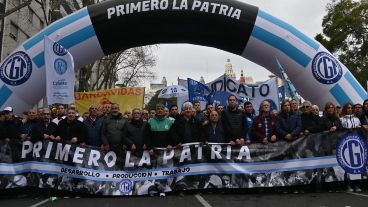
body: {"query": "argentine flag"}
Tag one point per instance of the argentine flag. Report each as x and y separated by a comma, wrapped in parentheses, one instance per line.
(60, 77)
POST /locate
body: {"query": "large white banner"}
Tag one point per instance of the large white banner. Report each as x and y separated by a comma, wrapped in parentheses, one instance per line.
(255, 93)
(60, 77)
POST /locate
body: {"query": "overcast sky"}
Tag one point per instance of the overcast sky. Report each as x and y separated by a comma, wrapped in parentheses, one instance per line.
(192, 61)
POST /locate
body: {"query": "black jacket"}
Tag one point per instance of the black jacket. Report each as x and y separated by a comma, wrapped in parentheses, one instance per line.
(133, 133)
(328, 121)
(216, 135)
(235, 124)
(33, 129)
(182, 134)
(68, 130)
(311, 122)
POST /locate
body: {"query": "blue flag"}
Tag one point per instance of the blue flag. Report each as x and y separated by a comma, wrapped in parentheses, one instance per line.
(197, 91)
(289, 87)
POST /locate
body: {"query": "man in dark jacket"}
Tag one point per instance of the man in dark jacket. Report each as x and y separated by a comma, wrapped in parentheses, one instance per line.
(234, 122)
(310, 121)
(213, 131)
(112, 130)
(93, 123)
(185, 128)
(12, 125)
(133, 132)
(47, 127)
(31, 129)
(70, 130)
(288, 125)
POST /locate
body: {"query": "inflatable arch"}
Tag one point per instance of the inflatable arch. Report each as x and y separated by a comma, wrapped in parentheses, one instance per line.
(229, 25)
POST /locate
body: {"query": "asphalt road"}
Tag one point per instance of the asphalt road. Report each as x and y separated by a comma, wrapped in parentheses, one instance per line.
(201, 200)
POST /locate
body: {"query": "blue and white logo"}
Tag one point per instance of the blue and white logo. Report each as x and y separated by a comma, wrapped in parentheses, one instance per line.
(60, 66)
(59, 50)
(16, 69)
(126, 186)
(326, 69)
(351, 153)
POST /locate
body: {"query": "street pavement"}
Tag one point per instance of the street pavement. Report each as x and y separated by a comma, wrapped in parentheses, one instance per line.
(343, 199)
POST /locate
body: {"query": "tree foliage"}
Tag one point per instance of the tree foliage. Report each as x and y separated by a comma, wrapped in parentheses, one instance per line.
(345, 33)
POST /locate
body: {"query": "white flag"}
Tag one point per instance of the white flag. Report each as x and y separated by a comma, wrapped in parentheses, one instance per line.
(60, 77)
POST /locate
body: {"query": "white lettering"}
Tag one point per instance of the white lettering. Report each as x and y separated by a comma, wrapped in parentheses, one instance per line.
(37, 148)
(26, 148)
(62, 152)
(215, 151)
(78, 155)
(94, 155)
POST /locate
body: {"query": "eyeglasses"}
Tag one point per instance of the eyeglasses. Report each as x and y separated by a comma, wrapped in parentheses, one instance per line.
(305, 107)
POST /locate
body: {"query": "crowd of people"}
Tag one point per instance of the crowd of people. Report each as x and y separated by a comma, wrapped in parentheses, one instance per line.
(136, 130)
(139, 130)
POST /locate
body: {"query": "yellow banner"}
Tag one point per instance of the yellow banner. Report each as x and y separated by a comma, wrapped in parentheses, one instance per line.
(127, 98)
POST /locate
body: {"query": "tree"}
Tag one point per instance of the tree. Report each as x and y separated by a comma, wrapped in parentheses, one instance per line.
(345, 33)
(129, 68)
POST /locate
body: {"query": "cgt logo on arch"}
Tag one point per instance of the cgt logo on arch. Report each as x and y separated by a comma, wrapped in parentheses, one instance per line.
(352, 154)
(16, 69)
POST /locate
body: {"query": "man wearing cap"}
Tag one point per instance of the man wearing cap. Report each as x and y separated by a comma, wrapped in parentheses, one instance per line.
(310, 121)
(157, 131)
(11, 125)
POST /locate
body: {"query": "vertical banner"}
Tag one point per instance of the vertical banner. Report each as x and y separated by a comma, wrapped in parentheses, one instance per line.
(126, 97)
(60, 77)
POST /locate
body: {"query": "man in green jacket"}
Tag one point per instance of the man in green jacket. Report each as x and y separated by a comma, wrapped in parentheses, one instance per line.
(157, 132)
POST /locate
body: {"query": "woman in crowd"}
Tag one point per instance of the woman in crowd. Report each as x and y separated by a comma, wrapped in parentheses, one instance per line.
(288, 125)
(330, 120)
(263, 127)
(348, 119)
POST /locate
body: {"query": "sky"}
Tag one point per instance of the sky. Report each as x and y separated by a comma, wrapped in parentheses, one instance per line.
(192, 61)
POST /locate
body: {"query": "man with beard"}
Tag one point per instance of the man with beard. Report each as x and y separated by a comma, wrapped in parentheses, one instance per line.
(70, 130)
(157, 131)
(133, 132)
(234, 122)
(174, 112)
(185, 128)
(112, 130)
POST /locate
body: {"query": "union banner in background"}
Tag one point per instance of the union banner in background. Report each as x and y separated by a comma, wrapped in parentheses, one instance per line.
(126, 97)
(60, 77)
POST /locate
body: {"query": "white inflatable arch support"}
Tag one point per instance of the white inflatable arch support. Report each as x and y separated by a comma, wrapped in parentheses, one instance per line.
(229, 25)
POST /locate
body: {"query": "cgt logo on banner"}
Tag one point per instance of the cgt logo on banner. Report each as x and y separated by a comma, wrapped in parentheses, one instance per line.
(16, 69)
(326, 69)
(352, 153)
(125, 187)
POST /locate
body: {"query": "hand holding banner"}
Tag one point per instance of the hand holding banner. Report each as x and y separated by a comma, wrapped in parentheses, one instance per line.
(60, 77)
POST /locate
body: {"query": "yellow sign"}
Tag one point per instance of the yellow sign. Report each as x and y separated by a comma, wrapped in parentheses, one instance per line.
(127, 98)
